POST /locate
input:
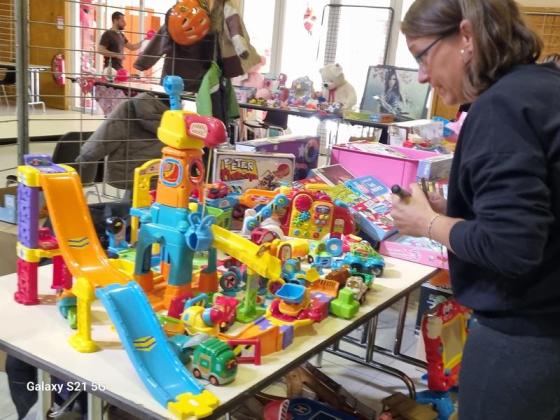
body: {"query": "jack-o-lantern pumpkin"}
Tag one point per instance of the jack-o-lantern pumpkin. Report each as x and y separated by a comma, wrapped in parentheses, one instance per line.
(188, 22)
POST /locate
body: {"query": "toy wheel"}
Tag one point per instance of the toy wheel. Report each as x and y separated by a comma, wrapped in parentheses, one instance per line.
(356, 266)
(282, 201)
(238, 211)
(229, 281)
(197, 373)
(378, 271)
(334, 247)
(266, 212)
(213, 380)
(310, 259)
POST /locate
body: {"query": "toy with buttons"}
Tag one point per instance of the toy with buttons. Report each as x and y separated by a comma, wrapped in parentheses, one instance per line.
(311, 216)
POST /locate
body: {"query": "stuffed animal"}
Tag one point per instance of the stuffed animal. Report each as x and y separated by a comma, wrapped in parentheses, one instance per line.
(336, 88)
(256, 80)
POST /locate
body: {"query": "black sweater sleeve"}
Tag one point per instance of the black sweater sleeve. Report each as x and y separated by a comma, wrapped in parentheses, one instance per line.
(505, 176)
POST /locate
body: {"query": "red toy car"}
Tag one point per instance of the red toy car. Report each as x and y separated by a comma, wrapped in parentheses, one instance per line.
(217, 190)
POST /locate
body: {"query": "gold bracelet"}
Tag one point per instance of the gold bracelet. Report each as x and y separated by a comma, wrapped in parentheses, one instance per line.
(430, 225)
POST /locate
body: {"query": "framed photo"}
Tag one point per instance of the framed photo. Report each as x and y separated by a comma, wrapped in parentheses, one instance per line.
(395, 90)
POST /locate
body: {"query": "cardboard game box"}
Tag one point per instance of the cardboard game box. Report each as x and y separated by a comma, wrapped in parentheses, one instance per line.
(419, 250)
(372, 212)
(304, 148)
(242, 170)
(333, 174)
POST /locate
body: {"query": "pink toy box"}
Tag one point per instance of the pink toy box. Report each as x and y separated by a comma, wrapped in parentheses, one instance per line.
(389, 164)
(419, 250)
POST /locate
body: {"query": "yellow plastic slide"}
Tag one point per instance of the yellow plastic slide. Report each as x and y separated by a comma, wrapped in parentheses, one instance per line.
(266, 265)
(73, 228)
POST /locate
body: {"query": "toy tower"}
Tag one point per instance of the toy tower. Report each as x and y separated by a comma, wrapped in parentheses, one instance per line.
(170, 222)
(36, 243)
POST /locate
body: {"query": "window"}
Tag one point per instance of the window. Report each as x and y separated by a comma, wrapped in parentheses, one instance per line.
(354, 33)
(258, 16)
(403, 57)
(300, 45)
(357, 37)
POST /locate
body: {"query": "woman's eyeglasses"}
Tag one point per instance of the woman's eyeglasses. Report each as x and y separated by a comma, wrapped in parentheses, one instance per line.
(422, 54)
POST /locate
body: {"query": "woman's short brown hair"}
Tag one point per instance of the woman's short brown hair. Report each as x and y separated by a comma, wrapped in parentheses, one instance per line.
(501, 37)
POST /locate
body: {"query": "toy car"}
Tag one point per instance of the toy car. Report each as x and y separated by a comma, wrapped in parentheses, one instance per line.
(292, 248)
(261, 235)
(363, 260)
(214, 360)
(217, 190)
(340, 275)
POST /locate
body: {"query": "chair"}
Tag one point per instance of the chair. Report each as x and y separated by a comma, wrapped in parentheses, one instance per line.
(275, 123)
(8, 80)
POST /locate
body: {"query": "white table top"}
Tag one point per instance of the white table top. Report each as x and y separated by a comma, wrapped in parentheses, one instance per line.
(38, 334)
(12, 65)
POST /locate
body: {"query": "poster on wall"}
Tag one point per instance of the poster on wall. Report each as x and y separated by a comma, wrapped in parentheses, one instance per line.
(395, 90)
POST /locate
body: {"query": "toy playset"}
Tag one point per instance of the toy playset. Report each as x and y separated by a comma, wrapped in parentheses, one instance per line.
(444, 330)
(304, 148)
(167, 284)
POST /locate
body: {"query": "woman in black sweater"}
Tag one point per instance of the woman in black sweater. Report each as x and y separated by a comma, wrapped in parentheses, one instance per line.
(501, 222)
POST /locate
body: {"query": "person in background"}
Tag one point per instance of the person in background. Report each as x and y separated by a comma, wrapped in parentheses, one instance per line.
(113, 42)
(501, 222)
(392, 96)
(127, 139)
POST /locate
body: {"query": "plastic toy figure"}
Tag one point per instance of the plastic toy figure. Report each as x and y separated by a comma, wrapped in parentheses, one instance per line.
(357, 286)
(116, 231)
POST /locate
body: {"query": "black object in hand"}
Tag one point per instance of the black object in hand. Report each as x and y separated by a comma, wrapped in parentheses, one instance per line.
(398, 190)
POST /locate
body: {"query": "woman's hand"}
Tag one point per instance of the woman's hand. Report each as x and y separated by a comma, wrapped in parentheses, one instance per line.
(438, 203)
(412, 215)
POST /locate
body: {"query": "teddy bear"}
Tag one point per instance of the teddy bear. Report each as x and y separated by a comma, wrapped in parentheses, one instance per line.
(336, 88)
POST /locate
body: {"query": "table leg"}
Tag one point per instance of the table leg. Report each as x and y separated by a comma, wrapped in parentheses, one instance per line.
(400, 326)
(371, 334)
(319, 359)
(95, 407)
(45, 397)
(33, 85)
(378, 366)
(396, 353)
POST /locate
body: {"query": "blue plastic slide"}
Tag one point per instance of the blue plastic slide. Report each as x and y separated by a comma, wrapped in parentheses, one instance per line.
(146, 344)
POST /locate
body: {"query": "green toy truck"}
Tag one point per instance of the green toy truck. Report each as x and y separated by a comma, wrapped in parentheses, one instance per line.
(214, 360)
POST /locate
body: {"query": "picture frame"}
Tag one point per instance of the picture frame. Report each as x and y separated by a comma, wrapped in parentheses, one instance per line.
(406, 98)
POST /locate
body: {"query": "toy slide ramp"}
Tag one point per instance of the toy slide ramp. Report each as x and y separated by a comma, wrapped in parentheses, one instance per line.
(244, 250)
(73, 228)
(157, 365)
